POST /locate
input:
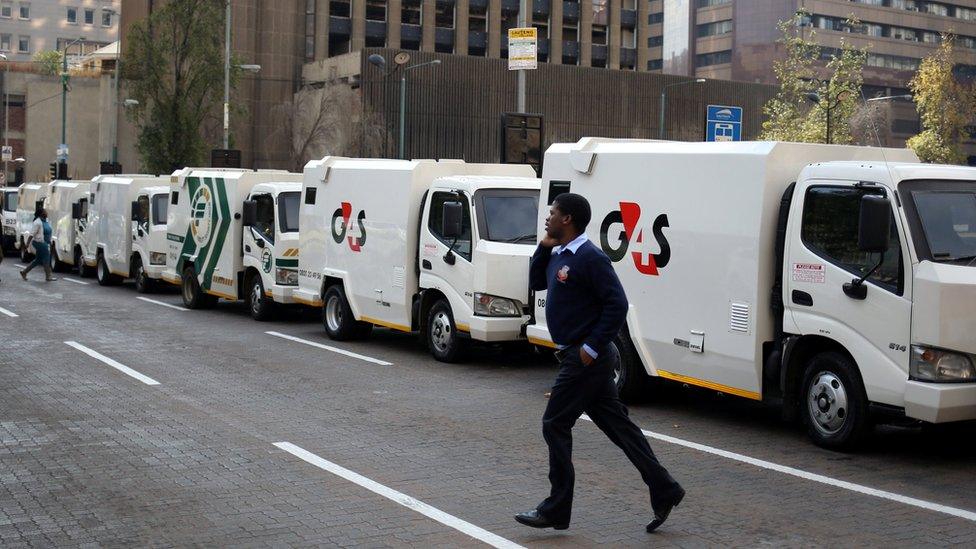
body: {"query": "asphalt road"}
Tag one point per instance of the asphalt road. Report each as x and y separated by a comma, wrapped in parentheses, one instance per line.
(130, 422)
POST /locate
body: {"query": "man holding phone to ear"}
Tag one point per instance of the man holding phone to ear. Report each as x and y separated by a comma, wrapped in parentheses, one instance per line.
(585, 309)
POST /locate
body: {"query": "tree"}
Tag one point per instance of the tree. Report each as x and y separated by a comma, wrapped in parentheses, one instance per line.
(790, 115)
(48, 62)
(175, 70)
(944, 105)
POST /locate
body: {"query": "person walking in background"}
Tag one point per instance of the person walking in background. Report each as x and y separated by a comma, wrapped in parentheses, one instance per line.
(40, 239)
(585, 309)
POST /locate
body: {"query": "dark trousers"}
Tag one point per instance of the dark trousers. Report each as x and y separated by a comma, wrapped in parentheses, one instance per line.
(591, 389)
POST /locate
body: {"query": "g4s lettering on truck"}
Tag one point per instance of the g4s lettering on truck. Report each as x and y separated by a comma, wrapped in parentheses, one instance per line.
(339, 230)
(629, 216)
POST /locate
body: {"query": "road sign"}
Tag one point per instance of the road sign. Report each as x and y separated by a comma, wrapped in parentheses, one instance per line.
(723, 123)
(62, 152)
(522, 48)
(8, 153)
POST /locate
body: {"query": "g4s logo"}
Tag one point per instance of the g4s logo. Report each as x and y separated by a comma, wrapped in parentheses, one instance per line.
(339, 229)
(628, 215)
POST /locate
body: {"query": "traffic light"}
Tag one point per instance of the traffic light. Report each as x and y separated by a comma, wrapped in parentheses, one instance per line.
(59, 170)
(53, 172)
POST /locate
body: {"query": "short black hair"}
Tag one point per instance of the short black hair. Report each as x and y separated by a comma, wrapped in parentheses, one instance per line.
(575, 206)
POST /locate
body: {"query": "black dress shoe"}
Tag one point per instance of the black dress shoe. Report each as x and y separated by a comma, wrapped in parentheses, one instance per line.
(534, 519)
(661, 514)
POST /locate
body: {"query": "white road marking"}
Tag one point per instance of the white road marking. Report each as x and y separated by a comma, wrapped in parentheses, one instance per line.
(120, 367)
(147, 300)
(465, 527)
(73, 280)
(333, 349)
(20, 265)
(806, 475)
(8, 313)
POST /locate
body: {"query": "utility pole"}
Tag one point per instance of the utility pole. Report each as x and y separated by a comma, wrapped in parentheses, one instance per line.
(227, 76)
(522, 23)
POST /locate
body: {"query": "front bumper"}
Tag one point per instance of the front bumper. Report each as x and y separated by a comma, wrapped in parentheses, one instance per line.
(486, 328)
(154, 272)
(283, 294)
(940, 402)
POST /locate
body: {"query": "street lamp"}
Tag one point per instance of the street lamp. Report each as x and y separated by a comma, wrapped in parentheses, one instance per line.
(379, 62)
(6, 109)
(403, 98)
(246, 68)
(839, 98)
(664, 94)
(906, 96)
(64, 94)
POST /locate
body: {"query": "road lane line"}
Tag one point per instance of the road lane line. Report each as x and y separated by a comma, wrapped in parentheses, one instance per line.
(462, 526)
(806, 475)
(73, 280)
(120, 367)
(333, 349)
(147, 300)
(11, 314)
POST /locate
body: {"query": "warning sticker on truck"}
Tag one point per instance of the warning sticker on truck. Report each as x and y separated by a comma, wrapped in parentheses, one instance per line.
(812, 273)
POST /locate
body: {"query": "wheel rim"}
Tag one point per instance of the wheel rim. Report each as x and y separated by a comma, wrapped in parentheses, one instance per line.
(187, 289)
(440, 331)
(140, 276)
(102, 274)
(333, 313)
(256, 298)
(827, 403)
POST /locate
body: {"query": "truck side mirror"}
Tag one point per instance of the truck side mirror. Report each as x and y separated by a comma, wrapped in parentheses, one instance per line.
(451, 220)
(38, 205)
(136, 212)
(874, 225)
(76, 211)
(250, 213)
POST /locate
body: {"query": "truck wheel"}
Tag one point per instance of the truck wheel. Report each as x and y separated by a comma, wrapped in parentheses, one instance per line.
(193, 295)
(144, 284)
(338, 319)
(633, 383)
(262, 308)
(443, 339)
(57, 265)
(833, 402)
(84, 271)
(105, 277)
(25, 257)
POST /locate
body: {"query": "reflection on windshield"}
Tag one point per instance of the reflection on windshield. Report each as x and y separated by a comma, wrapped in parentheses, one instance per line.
(288, 212)
(10, 204)
(511, 218)
(949, 221)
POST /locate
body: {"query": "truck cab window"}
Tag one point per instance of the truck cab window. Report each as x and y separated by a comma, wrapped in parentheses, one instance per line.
(830, 226)
(83, 204)
(265, 224)
(288, 211)
(10, 202)
(435, 221)
(160, 208)
(143, 209)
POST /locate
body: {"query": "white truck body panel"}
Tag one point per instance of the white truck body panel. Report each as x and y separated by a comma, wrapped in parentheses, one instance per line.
(8, 214)
(110, 219)
(66, 230)
(29, 195)
(268, 254)
(149, 237)
(364, 225)
(204, 225)
(691, 230)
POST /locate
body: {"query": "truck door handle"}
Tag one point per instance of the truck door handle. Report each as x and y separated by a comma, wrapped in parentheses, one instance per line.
(426, 264)
(802, 298)
(247, 248)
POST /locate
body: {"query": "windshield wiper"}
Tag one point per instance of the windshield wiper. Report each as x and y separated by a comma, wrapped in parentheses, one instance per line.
(520, 238)
(944, 256)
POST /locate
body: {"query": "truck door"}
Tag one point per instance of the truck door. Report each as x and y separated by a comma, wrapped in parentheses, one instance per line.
(140, 226)
(259, 238)
(454, 280)
(823, 255)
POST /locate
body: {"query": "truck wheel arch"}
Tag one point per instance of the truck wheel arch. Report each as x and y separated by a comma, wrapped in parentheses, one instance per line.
(798, 351)
(427, 299)
(328, 282)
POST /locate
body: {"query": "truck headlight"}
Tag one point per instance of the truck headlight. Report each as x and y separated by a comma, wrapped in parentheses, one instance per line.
(9, 230)
(490, 305)
(157, 258)
(286, 277)
(940, 366)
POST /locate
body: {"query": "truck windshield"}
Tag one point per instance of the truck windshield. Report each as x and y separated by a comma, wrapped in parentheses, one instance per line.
(10, 202)
(508, 215)
(160, 203)
(946, 214)
(288, 212)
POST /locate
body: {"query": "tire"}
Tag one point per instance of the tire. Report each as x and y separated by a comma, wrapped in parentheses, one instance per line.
(633, 383)
(261, 307)
(192, 293)
(833, 402)
(57, 265)
(104, 276)
(84, 271)
(25, 256)
(144, 284)
(442, 337)
(338, 319)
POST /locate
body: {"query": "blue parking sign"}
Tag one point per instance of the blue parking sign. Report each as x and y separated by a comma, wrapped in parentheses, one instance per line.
(723, 123)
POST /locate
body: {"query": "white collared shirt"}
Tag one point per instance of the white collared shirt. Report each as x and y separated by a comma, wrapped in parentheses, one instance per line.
(572, 246)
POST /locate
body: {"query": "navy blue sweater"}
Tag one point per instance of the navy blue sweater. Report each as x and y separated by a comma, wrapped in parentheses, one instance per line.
(585, 303)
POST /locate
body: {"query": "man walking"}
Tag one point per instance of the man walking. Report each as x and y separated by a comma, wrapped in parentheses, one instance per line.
(585, 309)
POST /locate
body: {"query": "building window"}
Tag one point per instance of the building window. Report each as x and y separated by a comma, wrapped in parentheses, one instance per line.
(655, 64)
(106, 18)
(715, 58)
(904, 5)
(23, 45)
(937, 9)
(4, 42)
(714, 29)
(655, 18)
(710, 3)
(966, 13)
(444, 15)
(901, 33)
(411, 13)
(339, 8)
(24, 10)
(376, 10)
(73, 16)
(6, 10)
(601, 17)
(655, 41)
(309, 30)
(89, 17)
